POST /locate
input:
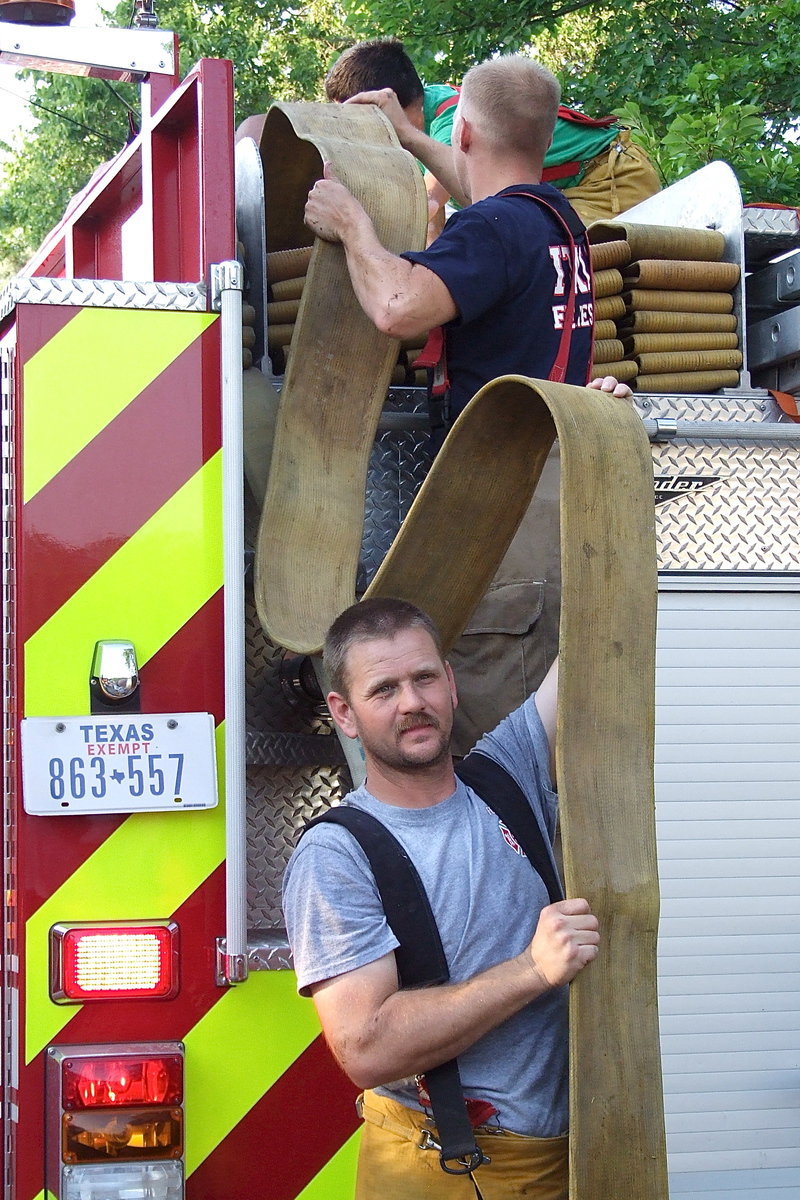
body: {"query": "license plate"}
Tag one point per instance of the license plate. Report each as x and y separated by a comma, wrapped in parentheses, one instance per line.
(161, 762)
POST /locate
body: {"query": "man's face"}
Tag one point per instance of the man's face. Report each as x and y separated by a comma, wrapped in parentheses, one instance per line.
(400, 700)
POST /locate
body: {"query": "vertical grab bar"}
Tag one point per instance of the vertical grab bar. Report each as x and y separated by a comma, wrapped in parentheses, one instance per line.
(227, 283)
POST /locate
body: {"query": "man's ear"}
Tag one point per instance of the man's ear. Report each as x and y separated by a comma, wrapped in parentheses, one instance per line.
(462, 131)
(342, 714)
(451, 680)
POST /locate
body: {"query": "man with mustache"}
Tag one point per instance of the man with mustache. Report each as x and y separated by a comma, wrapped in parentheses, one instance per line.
(509, 951)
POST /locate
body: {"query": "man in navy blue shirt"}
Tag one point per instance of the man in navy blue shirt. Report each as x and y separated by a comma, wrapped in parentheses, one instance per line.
(497, 279)
(498, 276)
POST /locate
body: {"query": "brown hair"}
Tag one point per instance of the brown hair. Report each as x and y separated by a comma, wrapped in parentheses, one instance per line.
(368, 66)
(383, 617)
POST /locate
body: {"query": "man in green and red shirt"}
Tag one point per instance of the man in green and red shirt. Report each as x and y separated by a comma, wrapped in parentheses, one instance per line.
(593, 162)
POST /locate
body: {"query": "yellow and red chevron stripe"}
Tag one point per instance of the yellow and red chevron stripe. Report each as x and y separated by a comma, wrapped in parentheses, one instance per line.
(120, 536)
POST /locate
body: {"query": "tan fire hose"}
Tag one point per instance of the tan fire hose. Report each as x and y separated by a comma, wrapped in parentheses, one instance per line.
(672, 284)
(335, 385)
(443, 558)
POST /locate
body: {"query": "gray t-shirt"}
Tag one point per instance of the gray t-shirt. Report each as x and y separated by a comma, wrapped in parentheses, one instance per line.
(486, 899)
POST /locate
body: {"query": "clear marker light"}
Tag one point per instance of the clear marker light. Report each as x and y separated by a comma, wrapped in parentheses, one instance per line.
(105, 961)
(151, 1181)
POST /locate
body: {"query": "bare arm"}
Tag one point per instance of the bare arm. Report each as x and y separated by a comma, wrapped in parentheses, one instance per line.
(402, 298)
(437, 198)
(436, 156)
(380, 1033)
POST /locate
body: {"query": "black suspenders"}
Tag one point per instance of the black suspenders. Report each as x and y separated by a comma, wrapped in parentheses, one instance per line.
(420, 956)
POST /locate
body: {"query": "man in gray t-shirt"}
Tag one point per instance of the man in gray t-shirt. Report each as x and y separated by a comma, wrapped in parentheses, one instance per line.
(509, 951)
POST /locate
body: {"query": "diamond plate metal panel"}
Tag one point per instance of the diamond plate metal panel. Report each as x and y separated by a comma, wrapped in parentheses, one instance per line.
(292, 749)
(399, 462)
(269, 952)
(270, 708)
(280, 801)
(720, 406)
(768, 232)
(103, 293)
(746, 521)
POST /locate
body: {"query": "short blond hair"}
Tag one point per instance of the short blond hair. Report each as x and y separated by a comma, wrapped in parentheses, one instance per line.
(514, 101)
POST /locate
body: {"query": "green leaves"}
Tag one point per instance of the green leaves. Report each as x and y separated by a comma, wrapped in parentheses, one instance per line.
(696, 79)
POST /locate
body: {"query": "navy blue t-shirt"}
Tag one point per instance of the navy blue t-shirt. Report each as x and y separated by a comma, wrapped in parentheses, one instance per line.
(505, 262)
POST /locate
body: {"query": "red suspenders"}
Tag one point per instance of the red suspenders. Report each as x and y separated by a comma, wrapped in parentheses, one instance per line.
(433, 354)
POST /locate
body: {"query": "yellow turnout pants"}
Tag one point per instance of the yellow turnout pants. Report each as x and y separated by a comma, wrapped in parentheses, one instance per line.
(391, 1166)
(614, 181)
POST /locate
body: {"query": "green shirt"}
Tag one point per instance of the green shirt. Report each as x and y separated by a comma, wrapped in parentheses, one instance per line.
(572, 142)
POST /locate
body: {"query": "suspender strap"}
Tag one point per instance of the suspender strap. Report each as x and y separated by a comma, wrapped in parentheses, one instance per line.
(434, 353)
(578, 118)
(502, 793)
(420, 960)
(558, 372)
(420, 957)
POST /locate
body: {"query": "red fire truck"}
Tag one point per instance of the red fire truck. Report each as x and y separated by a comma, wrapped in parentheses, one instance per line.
(160, 753)
(141, 1057)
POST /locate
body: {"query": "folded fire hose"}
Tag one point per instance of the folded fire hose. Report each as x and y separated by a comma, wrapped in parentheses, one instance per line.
(443, 559)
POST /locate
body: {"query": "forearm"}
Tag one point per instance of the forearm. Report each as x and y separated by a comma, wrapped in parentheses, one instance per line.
(381, 281)
(438, 158)
(416, 1029)
(401, 298)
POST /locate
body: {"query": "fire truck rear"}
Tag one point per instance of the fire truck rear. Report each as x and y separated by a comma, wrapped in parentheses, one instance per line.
(160, 753)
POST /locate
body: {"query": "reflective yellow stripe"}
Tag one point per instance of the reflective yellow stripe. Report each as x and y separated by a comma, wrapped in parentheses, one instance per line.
(145, 592)
(237, 1051)
(88, 373)
(145, 869)
(338, 1176)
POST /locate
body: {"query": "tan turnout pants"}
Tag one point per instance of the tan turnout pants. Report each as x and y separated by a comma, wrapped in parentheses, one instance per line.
(512, 638)
(614, 181)
(391, 1166)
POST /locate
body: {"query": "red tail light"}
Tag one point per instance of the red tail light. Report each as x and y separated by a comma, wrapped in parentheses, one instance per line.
(96, 1082)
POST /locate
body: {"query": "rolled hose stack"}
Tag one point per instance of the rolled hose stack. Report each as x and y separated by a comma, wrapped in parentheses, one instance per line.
(664, 319)
(286, 276)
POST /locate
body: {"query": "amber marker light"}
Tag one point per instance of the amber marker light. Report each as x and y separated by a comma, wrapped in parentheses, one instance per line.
(122, 1135)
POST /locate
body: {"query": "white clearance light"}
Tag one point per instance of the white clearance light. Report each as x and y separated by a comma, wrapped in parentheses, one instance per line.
(143, 1181)
(107, 960)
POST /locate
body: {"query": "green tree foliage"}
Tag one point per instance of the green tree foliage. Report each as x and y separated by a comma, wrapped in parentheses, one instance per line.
(698, 79)
(701, 79)
(43, 169)
(279, 51)
(698, 82)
